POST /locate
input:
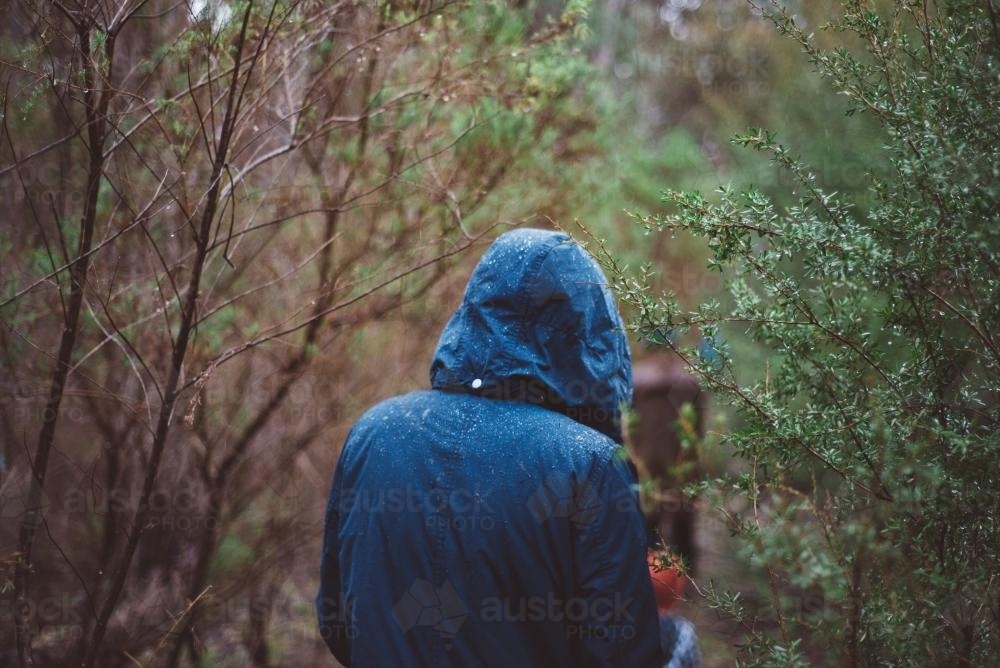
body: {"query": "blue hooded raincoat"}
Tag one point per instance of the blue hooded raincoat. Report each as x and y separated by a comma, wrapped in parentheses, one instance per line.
(493, 520)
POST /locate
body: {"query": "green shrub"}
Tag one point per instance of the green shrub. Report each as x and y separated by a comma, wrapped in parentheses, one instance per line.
(869, 435)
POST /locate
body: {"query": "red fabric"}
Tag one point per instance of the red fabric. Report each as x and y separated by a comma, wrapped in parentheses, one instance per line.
(668, 583)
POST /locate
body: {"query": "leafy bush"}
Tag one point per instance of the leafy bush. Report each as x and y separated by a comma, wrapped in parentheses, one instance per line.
(869, 435)
(227, 228)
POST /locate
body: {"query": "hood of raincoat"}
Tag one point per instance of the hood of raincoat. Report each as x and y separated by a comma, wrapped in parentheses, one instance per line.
(538, 324)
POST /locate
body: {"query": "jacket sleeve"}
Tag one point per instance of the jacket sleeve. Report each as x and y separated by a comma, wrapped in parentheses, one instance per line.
(332, 614)
(619, 625)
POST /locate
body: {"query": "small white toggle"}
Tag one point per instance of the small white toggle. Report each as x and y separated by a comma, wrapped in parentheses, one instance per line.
(477, 383)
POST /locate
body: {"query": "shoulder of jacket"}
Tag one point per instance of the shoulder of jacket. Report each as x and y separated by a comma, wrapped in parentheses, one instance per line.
(584, 443)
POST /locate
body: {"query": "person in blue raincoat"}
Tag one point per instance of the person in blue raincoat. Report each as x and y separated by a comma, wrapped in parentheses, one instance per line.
(493, 519)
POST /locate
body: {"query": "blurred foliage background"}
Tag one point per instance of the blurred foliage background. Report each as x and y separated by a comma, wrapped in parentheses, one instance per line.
(230, 227)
